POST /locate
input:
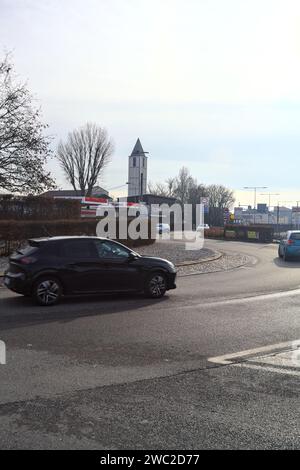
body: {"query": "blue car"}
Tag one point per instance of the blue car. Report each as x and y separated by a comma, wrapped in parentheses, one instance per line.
(290, 247)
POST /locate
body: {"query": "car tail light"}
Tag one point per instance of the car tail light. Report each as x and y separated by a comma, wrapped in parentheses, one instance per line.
(290, 242)
(27, 260)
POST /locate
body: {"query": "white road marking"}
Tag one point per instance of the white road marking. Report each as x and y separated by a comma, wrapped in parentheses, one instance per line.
(251, 298)
(229, 358)
(278, 370)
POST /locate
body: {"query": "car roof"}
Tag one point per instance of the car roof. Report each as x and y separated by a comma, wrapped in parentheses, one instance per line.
(73, 237)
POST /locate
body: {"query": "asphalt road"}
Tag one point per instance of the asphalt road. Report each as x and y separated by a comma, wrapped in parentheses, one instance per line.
(127, 372)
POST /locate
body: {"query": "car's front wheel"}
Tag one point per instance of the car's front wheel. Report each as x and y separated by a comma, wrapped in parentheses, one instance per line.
(156, 286)
(47, 291)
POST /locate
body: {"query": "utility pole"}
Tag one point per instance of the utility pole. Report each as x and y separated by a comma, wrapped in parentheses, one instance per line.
(278, 207)
(270, 195)
(297, 224)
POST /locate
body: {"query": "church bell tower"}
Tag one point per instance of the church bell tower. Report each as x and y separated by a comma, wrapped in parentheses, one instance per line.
(137, 171)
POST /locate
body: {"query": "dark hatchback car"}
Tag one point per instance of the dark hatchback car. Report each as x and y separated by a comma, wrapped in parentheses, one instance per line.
(49, 268)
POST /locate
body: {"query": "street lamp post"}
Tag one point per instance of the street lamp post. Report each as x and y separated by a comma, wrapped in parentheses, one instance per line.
(270, 195)
(255, 188)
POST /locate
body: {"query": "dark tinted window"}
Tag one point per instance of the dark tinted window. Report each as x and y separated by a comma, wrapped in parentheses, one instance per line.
(108, 249)
(50, 249)
(295, 236)
(78, 249)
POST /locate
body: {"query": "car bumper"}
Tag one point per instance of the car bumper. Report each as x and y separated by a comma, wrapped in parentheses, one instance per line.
(17, 283)
(171, 284)
(293, 251)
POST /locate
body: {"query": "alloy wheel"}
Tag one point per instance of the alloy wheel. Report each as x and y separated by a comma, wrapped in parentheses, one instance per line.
(157, 285)
(47, 292)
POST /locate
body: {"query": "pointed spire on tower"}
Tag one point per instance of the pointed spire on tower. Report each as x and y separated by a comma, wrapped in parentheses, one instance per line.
(138, 149)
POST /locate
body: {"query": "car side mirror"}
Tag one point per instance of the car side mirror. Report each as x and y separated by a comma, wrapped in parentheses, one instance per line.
(132, 257)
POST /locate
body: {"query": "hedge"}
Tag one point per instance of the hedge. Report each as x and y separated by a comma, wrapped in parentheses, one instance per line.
(214, 232)
(15, 233)
(38, 208)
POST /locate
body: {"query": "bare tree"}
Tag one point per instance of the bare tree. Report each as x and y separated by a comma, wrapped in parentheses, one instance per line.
(196, 192)
(171, 185)
(182, 185)
(159, 189)
(84, 156)
(162, 189)
(220, 196)
(23, 147)
(188, 191)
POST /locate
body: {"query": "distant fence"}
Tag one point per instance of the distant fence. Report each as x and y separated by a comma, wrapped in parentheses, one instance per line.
(255, 233)
(38, 208)
(280, 230)
(8, 246)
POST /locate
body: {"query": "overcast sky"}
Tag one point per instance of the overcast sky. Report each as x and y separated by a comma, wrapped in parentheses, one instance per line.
(210, 84)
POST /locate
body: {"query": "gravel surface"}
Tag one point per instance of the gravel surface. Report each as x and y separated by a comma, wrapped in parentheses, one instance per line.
(175, 252)
(225, 263)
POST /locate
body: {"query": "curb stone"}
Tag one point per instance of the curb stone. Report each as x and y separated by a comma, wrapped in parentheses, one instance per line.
(217, 256)
(217, 271)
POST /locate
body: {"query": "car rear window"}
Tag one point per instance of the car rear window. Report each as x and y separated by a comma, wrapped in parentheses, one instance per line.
(27, 250)
(295, 236)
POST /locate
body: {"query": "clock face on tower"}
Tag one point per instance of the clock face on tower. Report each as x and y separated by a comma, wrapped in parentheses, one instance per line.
(137, 171)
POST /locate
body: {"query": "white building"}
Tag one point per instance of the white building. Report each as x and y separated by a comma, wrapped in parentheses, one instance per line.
(281, 215)
(137, 171)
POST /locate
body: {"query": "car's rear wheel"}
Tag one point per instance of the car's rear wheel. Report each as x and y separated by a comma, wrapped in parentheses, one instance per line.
(280, 254)
(285, 256)
(47, 291)
(156, 285)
